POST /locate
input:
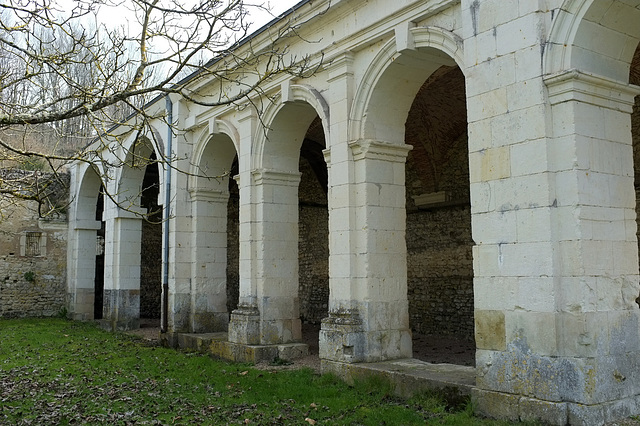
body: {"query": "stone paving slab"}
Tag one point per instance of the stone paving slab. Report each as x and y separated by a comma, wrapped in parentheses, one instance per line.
(409, 376)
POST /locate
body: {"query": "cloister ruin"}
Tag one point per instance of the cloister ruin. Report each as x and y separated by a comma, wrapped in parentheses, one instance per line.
(463, 168)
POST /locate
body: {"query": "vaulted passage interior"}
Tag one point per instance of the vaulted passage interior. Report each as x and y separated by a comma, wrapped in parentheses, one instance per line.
(439, 258)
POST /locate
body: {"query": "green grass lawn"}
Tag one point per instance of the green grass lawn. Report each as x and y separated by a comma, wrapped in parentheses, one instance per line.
(54, 371)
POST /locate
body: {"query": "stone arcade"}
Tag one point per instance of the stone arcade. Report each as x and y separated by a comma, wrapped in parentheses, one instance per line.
(478, 150)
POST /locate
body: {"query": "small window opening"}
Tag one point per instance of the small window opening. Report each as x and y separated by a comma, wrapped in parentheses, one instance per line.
(32, 244)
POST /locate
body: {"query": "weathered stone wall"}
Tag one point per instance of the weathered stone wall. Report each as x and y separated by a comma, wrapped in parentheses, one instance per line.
(33, 256)
(313, 247)
(151, 269)
(440, 271)
(233, 247)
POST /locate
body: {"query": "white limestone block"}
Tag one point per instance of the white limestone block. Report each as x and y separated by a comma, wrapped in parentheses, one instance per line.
(489, 164)
(494, 227)
(529, 157)
(534, 225)
(487, 105)
(526, 259)
(480, 136)
(518, 34)
(495, 293)
(536, 294)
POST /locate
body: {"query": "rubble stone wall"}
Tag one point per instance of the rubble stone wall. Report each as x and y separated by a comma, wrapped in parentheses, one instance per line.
(33, 257)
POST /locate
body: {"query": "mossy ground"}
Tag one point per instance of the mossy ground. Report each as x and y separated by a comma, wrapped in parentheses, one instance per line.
(54, 371)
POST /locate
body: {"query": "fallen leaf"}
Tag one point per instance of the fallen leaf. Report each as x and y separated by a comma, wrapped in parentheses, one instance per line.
(310, 421)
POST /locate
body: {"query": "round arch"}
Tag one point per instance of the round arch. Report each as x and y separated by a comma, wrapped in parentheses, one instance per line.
(596, 37)
(287, 121)
(138, 153)
(434, 47)
(213, 155)
(88, 191)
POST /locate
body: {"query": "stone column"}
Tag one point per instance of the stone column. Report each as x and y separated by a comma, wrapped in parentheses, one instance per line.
(244, 324)
(556, 261)
(276, 233)
(82, 268)
(368, 314)
(209, 276)
(180, 229)
(121, 310)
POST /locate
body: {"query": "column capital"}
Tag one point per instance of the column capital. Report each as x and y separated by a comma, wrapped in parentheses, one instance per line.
(326, 153)
(202, 194)
(379, 150)
(270, 176)
(573, 85)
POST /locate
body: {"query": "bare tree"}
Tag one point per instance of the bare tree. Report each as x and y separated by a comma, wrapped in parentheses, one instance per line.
(65, 72)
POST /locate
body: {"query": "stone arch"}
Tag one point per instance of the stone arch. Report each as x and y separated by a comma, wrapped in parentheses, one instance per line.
(213, 154)
(408, 69)
(278, 147)
(404, 56)
(595, 37)
(273, 289)
(210, 185)
(129, 281)
(86, 226)
(87, 194)
(139, 152)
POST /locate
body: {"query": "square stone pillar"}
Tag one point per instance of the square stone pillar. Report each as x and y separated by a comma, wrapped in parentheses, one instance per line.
(209, 283)
(82, 268)
(121, 309)
(275, 259)
(368, 309)
(557, 326)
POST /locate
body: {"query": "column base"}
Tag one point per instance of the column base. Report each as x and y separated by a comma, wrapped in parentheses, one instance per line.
(81, 304)
(121, 310)
(244, 326)
(179, 312)
(122, 325)
(346, 337)
(342, 337)
(239, 352)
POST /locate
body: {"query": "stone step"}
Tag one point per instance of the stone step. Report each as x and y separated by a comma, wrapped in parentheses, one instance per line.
(217, 345)
(410, 376)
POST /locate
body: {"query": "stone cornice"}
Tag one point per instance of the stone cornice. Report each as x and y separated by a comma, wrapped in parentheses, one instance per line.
(377, 150)
(202, 194)
(573, 85)
(275, 177)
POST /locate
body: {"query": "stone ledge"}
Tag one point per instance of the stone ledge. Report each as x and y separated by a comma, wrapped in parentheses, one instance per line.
(218, 346)
(410, 376)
